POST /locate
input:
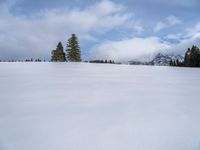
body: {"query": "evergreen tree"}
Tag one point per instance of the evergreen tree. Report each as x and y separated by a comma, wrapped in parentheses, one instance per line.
(73, 49)
(58, 55)
(195, 56)
(192, 57)
(186, 59)
(171, 63)
(177, 62)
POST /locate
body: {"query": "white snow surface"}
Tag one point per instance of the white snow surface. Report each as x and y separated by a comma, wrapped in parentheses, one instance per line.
(77, 106)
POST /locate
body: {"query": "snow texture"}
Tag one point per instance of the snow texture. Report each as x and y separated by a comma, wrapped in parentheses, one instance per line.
(74, 106)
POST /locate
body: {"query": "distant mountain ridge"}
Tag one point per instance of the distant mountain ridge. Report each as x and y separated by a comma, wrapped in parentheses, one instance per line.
(165, 59)
(160, 60)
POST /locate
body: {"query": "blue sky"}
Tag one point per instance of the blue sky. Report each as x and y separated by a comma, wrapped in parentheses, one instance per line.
(107, 29)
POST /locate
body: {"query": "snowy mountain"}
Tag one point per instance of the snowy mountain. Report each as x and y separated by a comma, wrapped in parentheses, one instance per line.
(159, 60)
(164, 59)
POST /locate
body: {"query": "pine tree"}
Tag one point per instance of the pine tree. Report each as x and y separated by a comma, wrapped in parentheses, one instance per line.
(58, 55)
(171, 63)
(73, 49)
(186, 59)
(192, 57)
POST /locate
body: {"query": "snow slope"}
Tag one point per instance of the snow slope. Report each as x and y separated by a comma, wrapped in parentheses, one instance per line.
(60, 106)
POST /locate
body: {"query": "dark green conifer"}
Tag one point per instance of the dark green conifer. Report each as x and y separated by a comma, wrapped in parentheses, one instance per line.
(58, 55)
(73, 49)
(192, 57)
(171, 63)
(186, 59)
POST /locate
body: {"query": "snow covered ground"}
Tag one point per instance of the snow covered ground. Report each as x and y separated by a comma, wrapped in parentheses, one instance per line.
(60, 106)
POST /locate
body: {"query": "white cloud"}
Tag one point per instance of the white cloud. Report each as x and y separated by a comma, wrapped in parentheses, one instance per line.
(144, 49)
(159, 26)
(190, 37)
(130, 49)
(172, 20)
(36, 35)
(168, 22)
(135, 26)
(177, 36)
(191, 32)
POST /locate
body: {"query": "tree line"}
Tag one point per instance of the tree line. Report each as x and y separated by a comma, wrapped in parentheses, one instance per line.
(72, 54)
(26, 60)
(191, 59)
(102, 61)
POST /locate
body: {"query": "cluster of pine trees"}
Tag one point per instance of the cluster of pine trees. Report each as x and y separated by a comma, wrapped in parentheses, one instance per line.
(72, 54)
(103, 61)
(26, 60)
(191, 59)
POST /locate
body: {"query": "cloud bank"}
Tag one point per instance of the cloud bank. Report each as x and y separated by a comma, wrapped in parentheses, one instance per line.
(109, 30)
(36, 35)
(130, 49)
(144, 49)
(169, 22)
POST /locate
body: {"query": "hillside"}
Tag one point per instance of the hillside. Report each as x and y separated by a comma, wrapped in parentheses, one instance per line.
(77, 106)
